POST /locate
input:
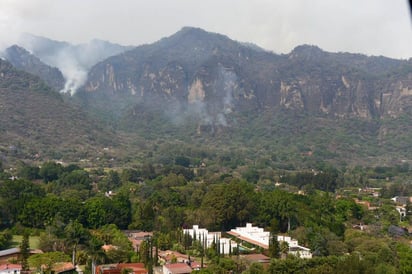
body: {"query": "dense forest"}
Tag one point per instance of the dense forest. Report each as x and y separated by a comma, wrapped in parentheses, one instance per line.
(73, 209)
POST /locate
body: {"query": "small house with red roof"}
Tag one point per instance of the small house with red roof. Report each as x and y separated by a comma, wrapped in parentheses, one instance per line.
(178, 268)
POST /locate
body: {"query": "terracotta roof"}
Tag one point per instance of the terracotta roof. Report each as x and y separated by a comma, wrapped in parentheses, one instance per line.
(256, 258)
(10, 266)
(63, 267)
(137, 268)
(178, 268)
(168, 255)
(109, 247)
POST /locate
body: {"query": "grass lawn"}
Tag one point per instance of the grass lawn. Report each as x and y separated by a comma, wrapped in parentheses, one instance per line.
(33, 241)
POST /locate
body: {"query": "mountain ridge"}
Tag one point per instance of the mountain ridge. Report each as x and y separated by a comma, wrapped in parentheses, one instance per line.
(207, 90)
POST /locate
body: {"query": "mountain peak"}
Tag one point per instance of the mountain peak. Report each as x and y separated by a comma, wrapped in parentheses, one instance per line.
(307, 51)
(22, 59)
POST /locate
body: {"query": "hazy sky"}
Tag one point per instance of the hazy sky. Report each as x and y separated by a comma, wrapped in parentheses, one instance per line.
(373, 27)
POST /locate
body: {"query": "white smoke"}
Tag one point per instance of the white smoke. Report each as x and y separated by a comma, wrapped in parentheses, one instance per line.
(73, 72)
(213, 108)
(74, 61)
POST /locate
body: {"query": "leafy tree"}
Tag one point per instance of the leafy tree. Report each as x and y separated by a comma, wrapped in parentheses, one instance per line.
(274, 247)
(182, 161)
(76, 179)
(103, 210)
(251, 175)
(110, 234)
(130, 175)
(45, 261)
(25, 171)
(50, 171)
(255, 268)
(14, 195)
(229, 204)
(110, 181)
(41, 212)
(405, 258)
(95, 251)
(277, 208)
(5, 239)
(75, 234)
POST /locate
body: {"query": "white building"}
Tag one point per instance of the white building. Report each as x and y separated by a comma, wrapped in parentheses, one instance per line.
(10, 269)
(205, 237)
(257, 236)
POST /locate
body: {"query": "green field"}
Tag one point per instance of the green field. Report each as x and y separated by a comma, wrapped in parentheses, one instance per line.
(33, 240)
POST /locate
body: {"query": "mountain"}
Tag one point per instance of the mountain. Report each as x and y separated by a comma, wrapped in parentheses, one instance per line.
(37, 123)
(24, 60)
(342, 106)
(194, 66)
(207, 97)
(72, 60)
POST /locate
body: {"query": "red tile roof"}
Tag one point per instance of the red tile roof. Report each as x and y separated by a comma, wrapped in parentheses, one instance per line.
(10, 266)
(178, 268)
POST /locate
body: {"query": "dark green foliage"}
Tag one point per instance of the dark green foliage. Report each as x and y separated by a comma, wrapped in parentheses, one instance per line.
(50, 171)
(5, 239)
(102, 210)
(182, 161)
(76, 179)
(25, 251)
(274, 246)
(14, 195)
(322, 180)
(41, 212)
(25, 171)
(229, 205)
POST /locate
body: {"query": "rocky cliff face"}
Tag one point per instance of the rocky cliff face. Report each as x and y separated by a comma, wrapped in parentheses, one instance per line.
(215, 76)
(24, 60)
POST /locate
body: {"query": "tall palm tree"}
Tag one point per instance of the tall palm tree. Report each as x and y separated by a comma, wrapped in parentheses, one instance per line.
(95, 252)
(75, 234)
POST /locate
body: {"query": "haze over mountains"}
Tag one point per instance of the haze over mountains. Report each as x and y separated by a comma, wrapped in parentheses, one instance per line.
(204, 88)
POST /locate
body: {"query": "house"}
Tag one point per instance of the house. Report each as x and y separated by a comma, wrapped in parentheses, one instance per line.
(178, 268)
(169, 256)
(13, 254)
(133, 268)
(137, 237)
(64, 268)
(10, 268)
(402, 200)
(402, 211)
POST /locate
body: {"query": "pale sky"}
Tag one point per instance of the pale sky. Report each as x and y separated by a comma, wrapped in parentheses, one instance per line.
(372, 27)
